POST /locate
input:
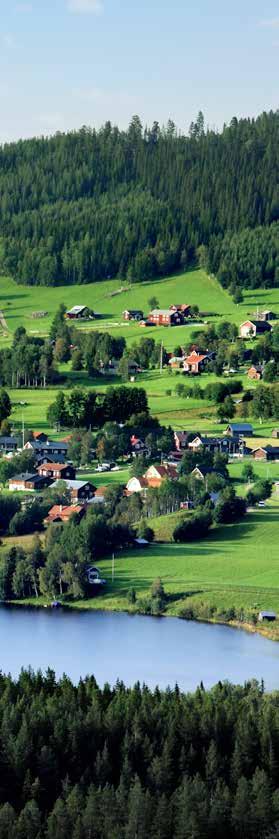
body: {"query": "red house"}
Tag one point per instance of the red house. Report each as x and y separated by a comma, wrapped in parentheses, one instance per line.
(166, 317)
(195, 362)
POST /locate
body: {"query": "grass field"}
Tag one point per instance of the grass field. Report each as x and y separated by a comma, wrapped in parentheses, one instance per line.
(237, 565)
(18, 302)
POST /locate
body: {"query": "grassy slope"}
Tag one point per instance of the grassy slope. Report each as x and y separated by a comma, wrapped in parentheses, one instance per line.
(236, 566)
(18, 302)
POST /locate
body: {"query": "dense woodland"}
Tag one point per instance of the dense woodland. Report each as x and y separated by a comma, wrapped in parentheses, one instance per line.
(90, 205)
(84, 763)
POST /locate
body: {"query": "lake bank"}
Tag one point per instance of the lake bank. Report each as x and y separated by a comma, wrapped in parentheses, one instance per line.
(270, 631)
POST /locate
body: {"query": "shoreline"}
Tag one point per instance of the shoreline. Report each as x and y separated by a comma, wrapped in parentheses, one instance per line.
(266, 630)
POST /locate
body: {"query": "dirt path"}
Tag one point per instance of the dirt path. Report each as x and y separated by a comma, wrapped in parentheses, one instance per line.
(3, 323)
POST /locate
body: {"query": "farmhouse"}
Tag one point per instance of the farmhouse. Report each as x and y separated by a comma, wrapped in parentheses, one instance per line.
(275, 433)
(252, 328)
(132, 314)
(62, 514)
(166, 317)
(136, 485)
(8, 444)
(48, 449)
(229, 445)
(181, 440)
(138, 446)
(78, 312)
(185, 308)
(154, 475)
(201, 472)
(28, 481)
(266, 453)
(195, 362)
(57, 471)
(255, 372)
(239, 429)
(80, 490)
(267, 314)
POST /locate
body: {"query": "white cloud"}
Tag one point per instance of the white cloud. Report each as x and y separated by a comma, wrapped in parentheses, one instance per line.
(94, 7)
(271, 23)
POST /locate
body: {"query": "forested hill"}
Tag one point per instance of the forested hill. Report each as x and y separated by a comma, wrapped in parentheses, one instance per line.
(89, 205)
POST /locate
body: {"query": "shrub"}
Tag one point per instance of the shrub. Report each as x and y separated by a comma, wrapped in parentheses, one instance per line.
(193, 528)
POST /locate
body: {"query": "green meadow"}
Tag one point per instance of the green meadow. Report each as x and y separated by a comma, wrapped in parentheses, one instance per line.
(17, 303)
(236, 566)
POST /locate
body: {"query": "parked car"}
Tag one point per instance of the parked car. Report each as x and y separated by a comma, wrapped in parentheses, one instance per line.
(115, 468)
(261, 503)
(103, 467)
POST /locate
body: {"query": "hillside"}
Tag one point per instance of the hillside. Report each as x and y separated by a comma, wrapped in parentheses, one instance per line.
(93, 205)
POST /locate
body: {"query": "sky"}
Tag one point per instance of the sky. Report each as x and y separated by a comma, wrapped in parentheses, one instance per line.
(68, 63)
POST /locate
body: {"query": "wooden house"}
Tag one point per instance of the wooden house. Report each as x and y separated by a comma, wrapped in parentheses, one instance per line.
(255, 372)
(136, 485)
(275, 433)
(252, 328)
(266, 453)
(79, 312)
(132, 314)
(57, 471)
(166, 317)
(185, 308)
(239, 429)
(8, 444)
(154, 475)
(79, 490)
(62, 514)
(28, 481)
(195, 362)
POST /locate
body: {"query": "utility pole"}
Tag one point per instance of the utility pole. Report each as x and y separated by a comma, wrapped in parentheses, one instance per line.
(112, 567)
(22, 430)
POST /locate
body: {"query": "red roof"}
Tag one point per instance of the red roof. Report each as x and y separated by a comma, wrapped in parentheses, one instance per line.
(58, 511)
(51, 467)
(100, 491)
(195, 358)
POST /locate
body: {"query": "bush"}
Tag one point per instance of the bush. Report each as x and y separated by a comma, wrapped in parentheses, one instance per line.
(145, 532)
(229, 508)
(261, 490)
(131, 596)
(193, 528)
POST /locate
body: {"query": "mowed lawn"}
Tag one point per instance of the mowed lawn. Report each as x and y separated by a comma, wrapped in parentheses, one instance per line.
(236, 565)
(195, 287)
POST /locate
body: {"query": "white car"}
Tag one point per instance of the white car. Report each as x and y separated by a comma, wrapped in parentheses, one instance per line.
(115, 468)
(103, 467)
(261, 503)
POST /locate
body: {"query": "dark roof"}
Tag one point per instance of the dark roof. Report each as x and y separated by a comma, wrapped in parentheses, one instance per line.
(25, 476)
(38, 445)
(262, 325)
(240, 427)
(8, 441)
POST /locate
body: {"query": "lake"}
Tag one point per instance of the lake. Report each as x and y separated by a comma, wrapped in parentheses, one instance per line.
(157, 651)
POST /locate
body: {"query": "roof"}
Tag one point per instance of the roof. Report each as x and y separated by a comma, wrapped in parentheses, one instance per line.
(161, 312)
(133, 311)
(51, 466)
(194, 358)
(204, 470)
(240, 427)
(8, 441)
(72, 484)
(38, 445)
(64, 512)
(142, 481)
(25, 476)
(101, 491)
(76, 310)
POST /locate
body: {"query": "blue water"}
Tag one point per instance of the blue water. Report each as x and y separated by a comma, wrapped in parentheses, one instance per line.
(157, 651)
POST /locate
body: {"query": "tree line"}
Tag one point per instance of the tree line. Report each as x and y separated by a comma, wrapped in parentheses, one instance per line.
(115, 763)
(90, 205)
